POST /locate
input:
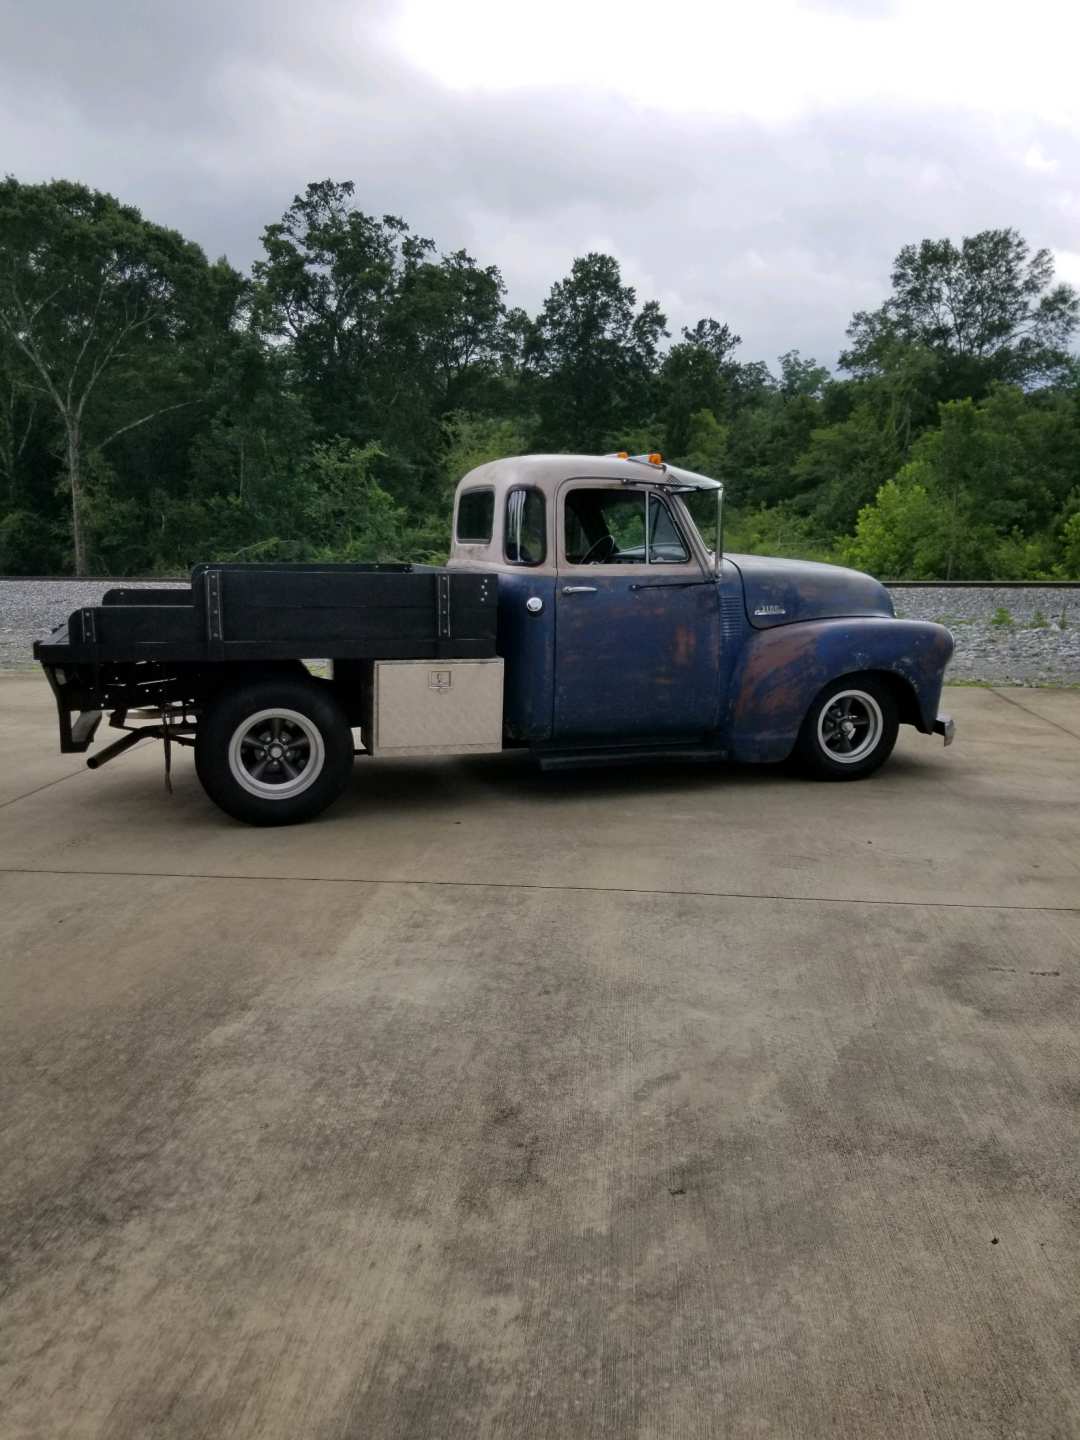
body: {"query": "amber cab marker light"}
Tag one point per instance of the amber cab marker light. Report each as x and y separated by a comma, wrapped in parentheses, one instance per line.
(656, 458)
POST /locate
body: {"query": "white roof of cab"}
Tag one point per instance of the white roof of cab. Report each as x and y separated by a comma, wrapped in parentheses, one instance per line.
(547, 471)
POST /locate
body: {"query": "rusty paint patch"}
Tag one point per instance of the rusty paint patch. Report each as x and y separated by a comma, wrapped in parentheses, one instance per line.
(783, 669)
(685, 645)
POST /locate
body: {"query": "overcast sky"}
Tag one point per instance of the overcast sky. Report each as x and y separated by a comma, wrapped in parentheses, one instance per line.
(759, 162)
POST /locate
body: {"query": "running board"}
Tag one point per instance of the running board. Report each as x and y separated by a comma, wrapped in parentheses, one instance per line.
(588, 759)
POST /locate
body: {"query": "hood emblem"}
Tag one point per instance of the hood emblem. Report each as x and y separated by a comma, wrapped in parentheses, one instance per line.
(770, 610)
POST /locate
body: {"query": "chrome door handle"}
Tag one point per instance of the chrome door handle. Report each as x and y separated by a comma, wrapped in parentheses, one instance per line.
(579, 589)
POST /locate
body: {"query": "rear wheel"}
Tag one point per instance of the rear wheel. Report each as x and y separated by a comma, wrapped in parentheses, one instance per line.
(275, 752)
(849, 730)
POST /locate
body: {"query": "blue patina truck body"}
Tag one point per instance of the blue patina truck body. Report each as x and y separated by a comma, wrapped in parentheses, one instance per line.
(623, 651)
(583, 614)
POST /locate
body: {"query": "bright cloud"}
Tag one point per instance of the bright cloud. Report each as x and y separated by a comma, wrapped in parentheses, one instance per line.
(771, 61)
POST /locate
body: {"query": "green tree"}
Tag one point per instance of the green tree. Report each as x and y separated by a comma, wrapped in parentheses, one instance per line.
(94, 302)
(244, 466)
(447, 327)
(707, 445)
(384, 338)
(841, 467)
(697, 374)
(344, 510)
(898, 535)
(1070, 545)
(20, 411)
(801, 379)
(985, 495)
(597, 354)
(327, 286)
(770, 428)
(1004, 465)
(776, 530)
(327, 408)
(985, 310)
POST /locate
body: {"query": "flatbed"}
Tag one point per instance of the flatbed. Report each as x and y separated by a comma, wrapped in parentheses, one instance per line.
(276, 612)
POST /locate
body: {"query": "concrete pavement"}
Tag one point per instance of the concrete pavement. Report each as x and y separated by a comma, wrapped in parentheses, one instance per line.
(675, 1102)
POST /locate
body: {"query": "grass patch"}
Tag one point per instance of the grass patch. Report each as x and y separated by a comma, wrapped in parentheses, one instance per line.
(1012, 684)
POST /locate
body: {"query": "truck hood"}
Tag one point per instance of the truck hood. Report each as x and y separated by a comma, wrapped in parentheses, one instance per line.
(780, 592)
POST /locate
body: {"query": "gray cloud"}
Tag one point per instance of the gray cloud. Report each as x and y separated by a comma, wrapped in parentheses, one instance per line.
(210, 118)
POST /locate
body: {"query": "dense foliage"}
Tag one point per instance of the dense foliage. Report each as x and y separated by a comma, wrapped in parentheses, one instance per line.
(157, 409)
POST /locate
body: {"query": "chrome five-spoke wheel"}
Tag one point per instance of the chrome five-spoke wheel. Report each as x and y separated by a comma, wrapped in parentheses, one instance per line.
(276, 754)
(275, 750)
(850, 729)
(850, 726)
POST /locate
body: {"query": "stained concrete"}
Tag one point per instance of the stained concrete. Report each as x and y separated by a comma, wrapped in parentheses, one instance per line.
(673, 1102)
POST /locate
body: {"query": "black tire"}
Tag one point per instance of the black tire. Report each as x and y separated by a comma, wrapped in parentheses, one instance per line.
(275, 751)
(849, 730)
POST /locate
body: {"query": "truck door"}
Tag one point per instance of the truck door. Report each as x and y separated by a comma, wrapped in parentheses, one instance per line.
(637, 633)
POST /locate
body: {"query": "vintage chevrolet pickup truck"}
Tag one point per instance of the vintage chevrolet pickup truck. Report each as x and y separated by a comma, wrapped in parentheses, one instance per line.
(582, 614)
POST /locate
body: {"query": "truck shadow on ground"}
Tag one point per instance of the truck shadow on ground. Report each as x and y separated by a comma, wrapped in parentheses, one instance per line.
(384, 789)
(516, 777)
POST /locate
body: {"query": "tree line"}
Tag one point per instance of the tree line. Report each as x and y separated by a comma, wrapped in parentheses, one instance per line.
(158, 409)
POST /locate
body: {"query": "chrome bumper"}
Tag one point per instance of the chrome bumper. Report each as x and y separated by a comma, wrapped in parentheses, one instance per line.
(945, 725)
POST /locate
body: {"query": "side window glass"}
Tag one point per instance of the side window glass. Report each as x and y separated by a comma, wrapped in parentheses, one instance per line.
(526, 527)
(476, 516)
(607, 527)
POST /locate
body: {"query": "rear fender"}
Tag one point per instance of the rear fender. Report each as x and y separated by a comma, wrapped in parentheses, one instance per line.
(780, 672)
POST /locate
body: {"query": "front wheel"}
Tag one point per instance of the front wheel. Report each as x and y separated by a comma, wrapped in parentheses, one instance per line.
(274, 752)
(849, 730)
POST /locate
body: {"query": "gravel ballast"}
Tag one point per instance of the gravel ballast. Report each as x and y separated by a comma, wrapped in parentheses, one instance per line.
(1036, 642)
(1028, 635)
(29, 609)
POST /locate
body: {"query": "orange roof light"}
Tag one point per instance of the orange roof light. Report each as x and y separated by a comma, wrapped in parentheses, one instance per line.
(656, 458)
(622, 454)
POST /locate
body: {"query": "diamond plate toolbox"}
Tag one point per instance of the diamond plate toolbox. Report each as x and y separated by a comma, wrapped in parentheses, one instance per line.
(436, 707)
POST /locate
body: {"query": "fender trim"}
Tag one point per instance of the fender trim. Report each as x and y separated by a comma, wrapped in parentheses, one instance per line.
(781, 670)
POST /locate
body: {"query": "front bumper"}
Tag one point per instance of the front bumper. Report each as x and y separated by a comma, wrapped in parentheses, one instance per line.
(945, 725)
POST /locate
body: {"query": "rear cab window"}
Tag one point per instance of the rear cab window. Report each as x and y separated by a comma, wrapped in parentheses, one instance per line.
(475, 516)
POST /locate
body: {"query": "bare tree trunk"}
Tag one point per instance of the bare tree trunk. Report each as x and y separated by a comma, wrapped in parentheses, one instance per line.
(952, 528)
(75, 481)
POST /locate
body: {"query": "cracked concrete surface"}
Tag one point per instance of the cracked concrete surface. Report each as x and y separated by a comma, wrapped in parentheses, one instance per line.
(675, 1102)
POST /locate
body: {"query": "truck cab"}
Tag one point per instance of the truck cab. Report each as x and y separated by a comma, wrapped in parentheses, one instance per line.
(623, 628)
(609, 608)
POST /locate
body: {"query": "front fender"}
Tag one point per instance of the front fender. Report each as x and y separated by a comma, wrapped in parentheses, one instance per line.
(781, 670)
